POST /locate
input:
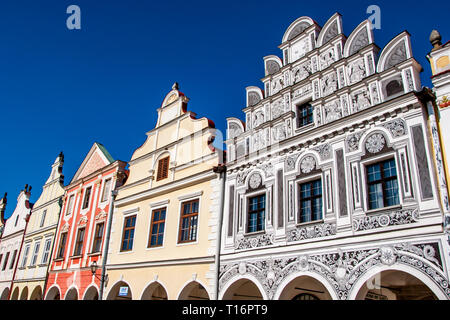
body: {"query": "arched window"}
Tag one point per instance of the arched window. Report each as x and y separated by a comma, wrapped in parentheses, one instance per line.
(305, 296)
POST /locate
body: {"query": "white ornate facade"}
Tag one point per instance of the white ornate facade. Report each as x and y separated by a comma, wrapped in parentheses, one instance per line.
(333, 109)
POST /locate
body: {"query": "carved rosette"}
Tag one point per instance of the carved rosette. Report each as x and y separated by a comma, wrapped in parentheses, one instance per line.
(375, 143)
(241, 176)
(394, 218)
(342, 269)
(255, 181)
(308, 164)
(352, 141)
(324, 151)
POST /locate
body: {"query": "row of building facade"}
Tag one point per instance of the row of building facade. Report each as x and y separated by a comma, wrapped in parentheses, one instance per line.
(334, 187)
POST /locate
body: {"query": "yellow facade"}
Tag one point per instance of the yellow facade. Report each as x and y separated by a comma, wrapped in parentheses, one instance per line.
(171, 269)
(32, 268)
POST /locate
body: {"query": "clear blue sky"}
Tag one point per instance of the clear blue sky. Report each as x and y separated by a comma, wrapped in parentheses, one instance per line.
(62, 90)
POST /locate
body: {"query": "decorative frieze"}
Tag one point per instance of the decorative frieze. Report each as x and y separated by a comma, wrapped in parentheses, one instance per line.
(311, 232)
(394, 218)
(396, 127)
(258, 241)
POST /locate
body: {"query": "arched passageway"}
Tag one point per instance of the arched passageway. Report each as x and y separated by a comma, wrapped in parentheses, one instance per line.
(154, 291)
(194, 291)
(305, 288)
(36, 294)
(53, 294)
(24, 294)
(120, 291)
(71, 294)
(394, 285)
(243, 289)
(91, 293)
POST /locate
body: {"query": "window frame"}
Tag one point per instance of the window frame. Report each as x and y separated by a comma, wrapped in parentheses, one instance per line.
(46, 252)
(299, 114)
(62, 245)
(247, 219)
(35, 253)
(70, 204)
(310, 180)
(162, 171)
(96, 238)
(43, 216)
(26, 251)
(13, 260)
(5, 263)
(86, 202)
(105, 195)
(79, 243)
(189, 215)
(124, 229)
(152, 222)
(380, 161)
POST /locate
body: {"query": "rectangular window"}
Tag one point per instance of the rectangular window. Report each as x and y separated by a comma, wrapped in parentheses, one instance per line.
(47, 247)
(304, 115)
(25, 256)
(163, 169)
(189, 221)
(11, 265)
(98, 236)
(62, 245)
(35, 253)
(382, 184)
(87, 196)
(256, 213)
(106, 189)
(70, 205)
(311, 201)
(157, 227)
(128, 233)
(1, 257)
(79, 242)
(6, 261)
(43, 218)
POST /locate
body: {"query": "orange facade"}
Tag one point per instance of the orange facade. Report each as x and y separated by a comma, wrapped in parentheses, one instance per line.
(82, 227)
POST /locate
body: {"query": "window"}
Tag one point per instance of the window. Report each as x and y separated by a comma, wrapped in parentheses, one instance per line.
(382, 184)
(87, 196)
(98, 236)
(35, 253)
(6, 261)
(25, 256)
(11, 265)
(128, 233)
(157, 227)
(79, 242)
(256, 213)
(45, 255)
(163, 169)
(17, 220)
(106, 189)
(304, 115)
(62, 245)
(1, 257)
(70, 205)
(188, 222)
(311, 201)
(43, 218)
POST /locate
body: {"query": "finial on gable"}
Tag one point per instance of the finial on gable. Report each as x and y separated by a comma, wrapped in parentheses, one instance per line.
(175, 86)
(435, 39)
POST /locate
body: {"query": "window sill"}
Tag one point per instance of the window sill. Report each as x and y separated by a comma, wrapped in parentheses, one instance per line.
(93, 254)
(305, 127)
(256, 233)
(58, 259)
(374, 211)
(31, 267)
(76, 257)
(303, 224)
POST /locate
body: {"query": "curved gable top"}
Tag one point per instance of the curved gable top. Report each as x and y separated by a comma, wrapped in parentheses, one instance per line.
(359, 38)
(396, 51)
(235, 128)
(254, 95)
(297, 27)
(272, 64)
(332, 28)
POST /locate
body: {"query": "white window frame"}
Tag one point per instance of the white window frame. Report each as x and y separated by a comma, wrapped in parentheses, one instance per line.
(46, 251)
(296, 195)
(25, 255)
(34, 256)
(43, 216)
